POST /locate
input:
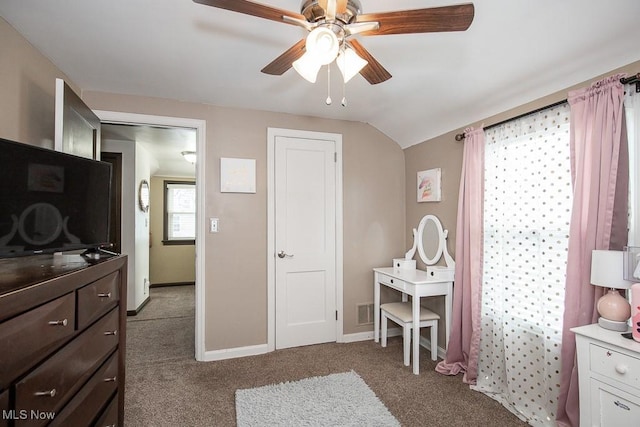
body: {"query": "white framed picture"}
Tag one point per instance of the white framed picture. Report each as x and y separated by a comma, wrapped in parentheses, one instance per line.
(237, 175)
(429, 186)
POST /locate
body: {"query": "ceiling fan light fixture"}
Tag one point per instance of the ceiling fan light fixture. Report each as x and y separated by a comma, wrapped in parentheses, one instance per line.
(307, 67)
(323, 45)
(350, 63)
(189, 156)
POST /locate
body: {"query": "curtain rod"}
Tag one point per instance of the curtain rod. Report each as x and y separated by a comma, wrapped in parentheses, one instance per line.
(632, 79)
(461, 136)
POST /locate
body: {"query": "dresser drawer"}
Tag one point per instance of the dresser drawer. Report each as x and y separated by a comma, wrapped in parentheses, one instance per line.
(49, 386)
(612, 407)
(391, 282)
(109, 417)
(4, 409)
(50, 323)
(97, 298)
(92, 397)
(615, 365)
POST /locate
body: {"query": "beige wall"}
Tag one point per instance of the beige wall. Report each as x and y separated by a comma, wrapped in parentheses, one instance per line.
(27, 85)
(446, 153)
(236, 264)
(167, 263)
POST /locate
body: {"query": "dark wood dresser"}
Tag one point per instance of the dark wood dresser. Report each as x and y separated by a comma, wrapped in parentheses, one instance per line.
(62, 341)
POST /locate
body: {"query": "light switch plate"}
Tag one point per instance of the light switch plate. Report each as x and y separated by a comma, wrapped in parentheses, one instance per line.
(213, 225)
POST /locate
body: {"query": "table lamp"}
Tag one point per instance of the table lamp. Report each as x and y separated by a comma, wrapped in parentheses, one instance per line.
(607, 270)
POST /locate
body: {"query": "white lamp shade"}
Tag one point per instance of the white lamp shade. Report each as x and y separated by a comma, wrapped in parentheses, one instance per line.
(607, 269)
(307, 67)
(323, 45)
(350, 63)
(189, 156)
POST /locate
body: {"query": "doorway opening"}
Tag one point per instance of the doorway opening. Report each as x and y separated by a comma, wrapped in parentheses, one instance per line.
(139, 123)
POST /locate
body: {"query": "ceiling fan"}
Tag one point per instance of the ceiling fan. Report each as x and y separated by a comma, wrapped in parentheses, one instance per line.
(331, 25)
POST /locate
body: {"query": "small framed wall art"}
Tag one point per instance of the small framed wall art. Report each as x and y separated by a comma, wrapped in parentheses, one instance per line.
(429, 186)
(237, 175)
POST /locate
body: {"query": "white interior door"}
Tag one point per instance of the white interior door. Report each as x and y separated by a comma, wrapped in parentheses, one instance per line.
(305, 241)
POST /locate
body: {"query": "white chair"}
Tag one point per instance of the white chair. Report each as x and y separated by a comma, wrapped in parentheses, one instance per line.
(401, 313)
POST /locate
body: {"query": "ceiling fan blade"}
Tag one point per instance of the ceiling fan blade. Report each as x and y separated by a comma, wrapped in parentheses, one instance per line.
(252, 8)
(373, 72)
(430, 20)
(282, 63)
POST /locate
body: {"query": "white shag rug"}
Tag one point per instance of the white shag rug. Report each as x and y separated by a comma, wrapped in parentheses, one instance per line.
(335, 400)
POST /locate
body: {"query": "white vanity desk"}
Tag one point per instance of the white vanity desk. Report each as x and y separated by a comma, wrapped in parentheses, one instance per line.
(417, 284)
(430, 240)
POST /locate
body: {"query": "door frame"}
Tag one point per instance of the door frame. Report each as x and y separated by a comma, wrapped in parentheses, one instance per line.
(115, 229)
(116, 117)
(272, 133)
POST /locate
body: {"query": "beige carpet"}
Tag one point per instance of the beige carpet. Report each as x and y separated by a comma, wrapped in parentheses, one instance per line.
(166, 387)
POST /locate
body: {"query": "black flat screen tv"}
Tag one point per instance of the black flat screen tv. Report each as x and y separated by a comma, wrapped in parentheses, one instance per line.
(51, 201)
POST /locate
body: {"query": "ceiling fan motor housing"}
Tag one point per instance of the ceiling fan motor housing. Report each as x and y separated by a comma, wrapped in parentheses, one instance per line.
(313, 12)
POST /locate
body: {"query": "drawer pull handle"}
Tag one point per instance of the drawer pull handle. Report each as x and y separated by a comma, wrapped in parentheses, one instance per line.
(50, 393)
(104, 295)
(110, 380)
(621, 369)
(621, 405)
(114, 332)
(62, 322)
(391, 280)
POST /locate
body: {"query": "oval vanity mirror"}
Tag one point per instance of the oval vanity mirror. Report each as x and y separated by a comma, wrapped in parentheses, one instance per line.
(40, 224)
(431, 239)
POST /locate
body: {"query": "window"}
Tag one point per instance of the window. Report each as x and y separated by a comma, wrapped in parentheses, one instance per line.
(179, 213)
(527, 209)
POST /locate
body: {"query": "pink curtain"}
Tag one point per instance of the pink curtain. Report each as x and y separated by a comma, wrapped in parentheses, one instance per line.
(599, 168)
(464, 342)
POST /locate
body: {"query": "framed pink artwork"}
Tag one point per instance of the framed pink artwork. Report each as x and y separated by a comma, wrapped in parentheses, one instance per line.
(429, 186)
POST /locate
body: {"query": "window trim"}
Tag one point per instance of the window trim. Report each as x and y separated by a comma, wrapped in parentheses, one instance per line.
(165, 216)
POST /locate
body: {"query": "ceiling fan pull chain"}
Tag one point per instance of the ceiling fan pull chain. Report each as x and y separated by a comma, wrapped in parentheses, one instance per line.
(344, 93)
(344, 84)
(328, 101)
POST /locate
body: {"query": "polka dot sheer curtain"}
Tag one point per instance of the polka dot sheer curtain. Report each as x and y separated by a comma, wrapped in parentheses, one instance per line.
(632, 111)
(527, 209)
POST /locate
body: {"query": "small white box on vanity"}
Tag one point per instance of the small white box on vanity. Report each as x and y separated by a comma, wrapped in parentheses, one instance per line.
(439, 272)
(404, 264)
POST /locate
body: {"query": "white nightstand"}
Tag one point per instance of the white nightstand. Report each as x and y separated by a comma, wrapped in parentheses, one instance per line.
(609, 377)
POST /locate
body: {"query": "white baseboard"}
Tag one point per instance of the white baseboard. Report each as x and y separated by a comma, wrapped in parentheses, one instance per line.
(254, 350)
(392, 332)
(232, 353)
(427, 344)
(366, 336)
(361, 336)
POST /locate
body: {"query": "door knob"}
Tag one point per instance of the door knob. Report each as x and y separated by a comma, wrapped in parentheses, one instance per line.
(281, 254)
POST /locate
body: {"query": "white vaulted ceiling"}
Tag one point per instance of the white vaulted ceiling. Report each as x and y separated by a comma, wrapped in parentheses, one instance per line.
(514, 52)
